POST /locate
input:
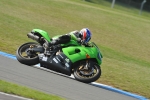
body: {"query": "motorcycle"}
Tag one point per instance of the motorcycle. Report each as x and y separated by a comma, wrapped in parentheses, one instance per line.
(72, 58)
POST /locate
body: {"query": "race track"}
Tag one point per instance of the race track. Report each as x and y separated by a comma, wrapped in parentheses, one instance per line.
(54, 83)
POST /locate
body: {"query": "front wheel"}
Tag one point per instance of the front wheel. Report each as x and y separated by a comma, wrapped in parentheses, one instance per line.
(87, 75)
(25, 56)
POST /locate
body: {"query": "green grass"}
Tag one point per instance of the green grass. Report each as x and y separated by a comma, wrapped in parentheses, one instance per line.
(26, 92)
(121, 33)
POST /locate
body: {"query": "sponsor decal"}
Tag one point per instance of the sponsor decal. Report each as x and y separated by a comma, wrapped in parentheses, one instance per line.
(66, 64)
(44, 58)
(58, 59)
(67, 60)
(61, 56)
(55, 60)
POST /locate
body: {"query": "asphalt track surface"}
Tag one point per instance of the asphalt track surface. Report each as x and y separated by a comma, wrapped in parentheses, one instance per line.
(54, 83)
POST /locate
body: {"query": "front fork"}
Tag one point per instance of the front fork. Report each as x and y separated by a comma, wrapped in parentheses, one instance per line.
(86, 69)
(87, 65)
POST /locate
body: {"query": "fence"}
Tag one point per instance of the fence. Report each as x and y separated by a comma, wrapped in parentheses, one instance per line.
(136, 3)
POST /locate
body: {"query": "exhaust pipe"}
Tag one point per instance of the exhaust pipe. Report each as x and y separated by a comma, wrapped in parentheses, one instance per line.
(32, 36)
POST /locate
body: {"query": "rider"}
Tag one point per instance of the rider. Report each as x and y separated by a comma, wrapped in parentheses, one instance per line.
(82, 37)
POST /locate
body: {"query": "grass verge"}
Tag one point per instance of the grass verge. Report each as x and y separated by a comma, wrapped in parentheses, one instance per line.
(11, 88)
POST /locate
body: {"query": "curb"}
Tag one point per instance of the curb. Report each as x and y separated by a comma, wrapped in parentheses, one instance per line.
(110, 88)
(15, 96)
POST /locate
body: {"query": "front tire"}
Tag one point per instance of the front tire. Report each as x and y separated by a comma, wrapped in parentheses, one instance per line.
(25, 56)
(87, 76)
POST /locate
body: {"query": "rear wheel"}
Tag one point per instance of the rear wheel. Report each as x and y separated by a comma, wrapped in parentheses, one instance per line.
(25, 56)
(87, 75)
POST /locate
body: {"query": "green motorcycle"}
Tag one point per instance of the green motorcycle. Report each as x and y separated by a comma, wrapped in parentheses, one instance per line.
(72, 58)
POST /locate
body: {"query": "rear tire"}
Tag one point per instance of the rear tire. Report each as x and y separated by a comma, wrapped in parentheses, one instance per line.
(24, 58)
(93, 75)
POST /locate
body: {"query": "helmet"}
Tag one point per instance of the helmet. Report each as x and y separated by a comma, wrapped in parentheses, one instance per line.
(85, 35)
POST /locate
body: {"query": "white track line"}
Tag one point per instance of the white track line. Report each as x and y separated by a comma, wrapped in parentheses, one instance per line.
(15, 96)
